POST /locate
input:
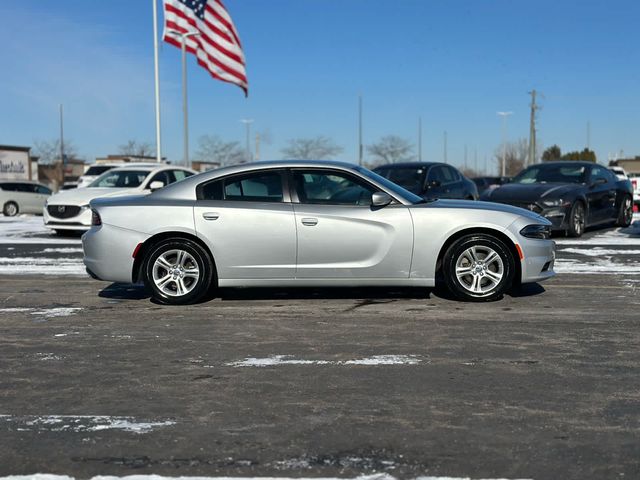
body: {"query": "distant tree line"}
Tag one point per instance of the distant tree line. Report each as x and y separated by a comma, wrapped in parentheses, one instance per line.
(553, 153)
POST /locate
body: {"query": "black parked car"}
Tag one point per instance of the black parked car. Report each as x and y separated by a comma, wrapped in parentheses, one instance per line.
(430, 180)
(572, 195)
(484, 183)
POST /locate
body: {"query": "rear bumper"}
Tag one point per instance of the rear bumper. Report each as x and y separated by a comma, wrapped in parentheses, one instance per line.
(108, 252)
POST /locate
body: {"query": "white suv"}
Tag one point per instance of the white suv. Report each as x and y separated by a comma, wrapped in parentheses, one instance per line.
(69, 210)
(94, 171)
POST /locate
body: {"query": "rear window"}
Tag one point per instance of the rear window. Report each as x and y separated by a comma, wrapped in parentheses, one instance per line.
(97, 170)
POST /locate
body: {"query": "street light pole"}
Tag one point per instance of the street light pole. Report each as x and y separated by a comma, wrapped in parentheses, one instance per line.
(185, 105)
(247, 123)
(504, 116)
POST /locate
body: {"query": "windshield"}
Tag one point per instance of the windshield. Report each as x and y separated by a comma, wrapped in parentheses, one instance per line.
(97, 170)
(392, 187)
(552, 174)
(120, 179)
(411, 179)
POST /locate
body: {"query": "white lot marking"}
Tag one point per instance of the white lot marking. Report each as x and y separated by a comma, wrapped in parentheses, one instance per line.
(41, 266)
(601, 266)
(63, 250)
(43, 476)
(25, 229)
(48, 356)
(81, 423)
(276, 360)
(44, 312)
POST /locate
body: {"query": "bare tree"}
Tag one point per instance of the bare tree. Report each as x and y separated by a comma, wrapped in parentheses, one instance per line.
(137, 149)
(212, 148)
(48, 151)
(516, 156)
(318, 148)
(391, 149)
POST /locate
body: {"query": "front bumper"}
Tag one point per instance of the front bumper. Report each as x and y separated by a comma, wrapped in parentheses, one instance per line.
(80, 222)
(539, 258)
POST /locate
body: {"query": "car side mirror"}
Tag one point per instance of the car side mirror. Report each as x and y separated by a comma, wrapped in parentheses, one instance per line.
(156, 185)
(380, 199)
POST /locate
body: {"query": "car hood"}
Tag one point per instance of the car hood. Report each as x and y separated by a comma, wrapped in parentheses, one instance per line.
(529, 192)
(484, 206)
(82, 196)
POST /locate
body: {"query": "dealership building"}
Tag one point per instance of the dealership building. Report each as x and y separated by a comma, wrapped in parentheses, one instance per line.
(16, 163)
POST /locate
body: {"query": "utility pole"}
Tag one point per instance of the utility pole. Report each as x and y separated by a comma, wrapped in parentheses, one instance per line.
(185, 106)
(465, 157)
(445, 146)
(63, 163)
(504, 116)
(360, 149)
(475, 161)
(532, 130)
(257, 146)
(247, 123)
(588, 135)
(157, 81)
(419, 139)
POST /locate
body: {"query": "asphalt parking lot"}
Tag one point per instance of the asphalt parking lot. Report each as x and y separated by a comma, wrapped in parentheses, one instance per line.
(98, 380)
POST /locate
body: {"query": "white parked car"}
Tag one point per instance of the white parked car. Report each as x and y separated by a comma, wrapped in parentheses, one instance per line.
(69, 210)
(620, 173)
(19, 196)
(94, 171)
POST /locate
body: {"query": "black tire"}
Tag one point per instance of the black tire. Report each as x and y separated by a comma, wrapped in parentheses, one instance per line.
(490, 287)
(195, 289)
(10, 209)
(625, 214)
(577, 220)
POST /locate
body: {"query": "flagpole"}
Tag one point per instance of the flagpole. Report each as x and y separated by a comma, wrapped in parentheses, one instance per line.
(157, 80)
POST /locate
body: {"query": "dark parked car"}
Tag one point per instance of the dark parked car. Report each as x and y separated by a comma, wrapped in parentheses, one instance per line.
(572, 195)
(430, 180)
(484, 183)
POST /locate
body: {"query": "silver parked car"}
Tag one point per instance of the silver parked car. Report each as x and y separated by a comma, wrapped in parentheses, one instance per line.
(303, 223)
(20, 196)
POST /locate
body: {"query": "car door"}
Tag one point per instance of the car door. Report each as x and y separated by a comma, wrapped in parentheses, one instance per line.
(27, 197)
(434, 185)
(248, 221)
(41, 195)
(601, 195)
(454, 182)
(340, 235)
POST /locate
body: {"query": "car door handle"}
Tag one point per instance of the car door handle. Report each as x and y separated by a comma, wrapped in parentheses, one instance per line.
(210, 215)
(310, 222)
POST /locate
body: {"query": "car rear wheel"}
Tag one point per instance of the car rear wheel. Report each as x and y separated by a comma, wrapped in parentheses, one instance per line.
(178, 271)
(10, 209)
(625, 215)
(577, 220)
(478, 267)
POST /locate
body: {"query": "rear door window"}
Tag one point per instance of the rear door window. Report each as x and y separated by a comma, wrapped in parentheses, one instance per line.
(249, 187)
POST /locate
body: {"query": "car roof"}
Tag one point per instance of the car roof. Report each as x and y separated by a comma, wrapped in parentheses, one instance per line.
(30, 182)
(409, 165)
(150, 168)
(566, 162)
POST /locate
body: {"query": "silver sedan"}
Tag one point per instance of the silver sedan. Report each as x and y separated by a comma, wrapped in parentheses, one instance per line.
(302, 223)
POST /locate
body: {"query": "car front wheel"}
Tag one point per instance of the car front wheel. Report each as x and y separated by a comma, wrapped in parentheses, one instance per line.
(577, 220)
(178, 271)
(625, 215)
(10, 209)
(478, 267)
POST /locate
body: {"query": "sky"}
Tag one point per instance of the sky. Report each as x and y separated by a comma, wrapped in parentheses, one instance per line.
(454, 63)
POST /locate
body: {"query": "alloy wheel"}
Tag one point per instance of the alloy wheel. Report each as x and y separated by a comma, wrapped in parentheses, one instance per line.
(479, 269)
(578, 220)
(175, 273)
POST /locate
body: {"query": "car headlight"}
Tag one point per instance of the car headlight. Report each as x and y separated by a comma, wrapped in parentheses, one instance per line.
(555, 203)
(542, 232)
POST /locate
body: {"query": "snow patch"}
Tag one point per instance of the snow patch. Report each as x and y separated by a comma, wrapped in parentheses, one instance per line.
(44, 312)
(62, 250)
(41, 266)
(81, 423)
(277, 360)
(29, 229)
(600, 252)
(43, 476)
(601, 266)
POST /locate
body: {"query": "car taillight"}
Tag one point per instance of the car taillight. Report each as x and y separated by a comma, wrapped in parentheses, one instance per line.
(95, 218)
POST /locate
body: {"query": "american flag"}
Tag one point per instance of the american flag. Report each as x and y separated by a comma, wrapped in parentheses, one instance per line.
(217, 45)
